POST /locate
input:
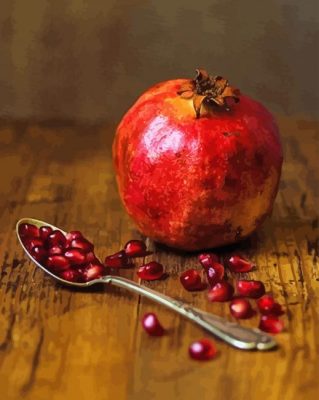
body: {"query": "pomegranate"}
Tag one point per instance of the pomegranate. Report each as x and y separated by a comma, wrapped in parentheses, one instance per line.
(152, 325)
(222, 291)
(268, 306)
(28, 231)
(239, 264)
(271, 324)
(150, 271)
(75, 256)
(215, 273)
(135, 248)
(45, 231)
(253, 289)
(57, 263)
(241, 308)
(56, 238)
(194, 169)
(191, 280)
(39, 253)
(116, 260)
(207, 260)
(202, 350)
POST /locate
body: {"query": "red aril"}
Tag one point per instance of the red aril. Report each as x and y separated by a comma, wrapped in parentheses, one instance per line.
(241, 308)
(116, 260)
(268, 306)
(253, 289)
(57, 263)
(45, 231)
(28, 231)
(71, 275)
(215, 273)
(191, 280)
(39, 253)
(93, 271)
(73, 235)
(30, 243)
(56, 238)
(55, 250)
(83, 244)
(135, 248)
(239, 264)
(271, 324)
(91, 258)
(202, 350)
(75, 256)
(222, 291)
(207, 260)
(150, 271)
(152, 325)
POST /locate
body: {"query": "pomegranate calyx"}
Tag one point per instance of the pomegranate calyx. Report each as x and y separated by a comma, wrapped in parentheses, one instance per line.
(213, 90)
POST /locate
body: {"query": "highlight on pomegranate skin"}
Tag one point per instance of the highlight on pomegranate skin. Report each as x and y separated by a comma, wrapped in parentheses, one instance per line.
(151, 271)
(152, 325)
(222, 291)
(70, 256)
(191, 280)
(202, 350)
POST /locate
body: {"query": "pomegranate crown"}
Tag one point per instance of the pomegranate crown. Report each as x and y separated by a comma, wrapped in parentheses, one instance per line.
(213, 90)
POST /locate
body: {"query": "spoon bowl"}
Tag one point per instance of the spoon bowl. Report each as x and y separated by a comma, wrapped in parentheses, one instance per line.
(230, 332)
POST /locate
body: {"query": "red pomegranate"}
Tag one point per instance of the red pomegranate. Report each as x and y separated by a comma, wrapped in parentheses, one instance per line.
(197, 163)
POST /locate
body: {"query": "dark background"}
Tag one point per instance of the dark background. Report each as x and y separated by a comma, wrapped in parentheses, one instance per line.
(89, 60)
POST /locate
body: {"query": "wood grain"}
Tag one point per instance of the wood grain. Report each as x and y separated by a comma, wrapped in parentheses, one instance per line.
(60, 343)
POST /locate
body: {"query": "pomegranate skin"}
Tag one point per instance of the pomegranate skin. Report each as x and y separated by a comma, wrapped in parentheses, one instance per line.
(196, 183)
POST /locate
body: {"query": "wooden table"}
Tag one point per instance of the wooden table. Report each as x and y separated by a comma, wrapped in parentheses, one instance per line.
(58, 343)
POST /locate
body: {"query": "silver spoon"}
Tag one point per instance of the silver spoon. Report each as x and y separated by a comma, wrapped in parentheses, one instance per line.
(230, 332)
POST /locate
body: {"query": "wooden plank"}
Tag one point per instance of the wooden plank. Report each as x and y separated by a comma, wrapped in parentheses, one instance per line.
(60, 343)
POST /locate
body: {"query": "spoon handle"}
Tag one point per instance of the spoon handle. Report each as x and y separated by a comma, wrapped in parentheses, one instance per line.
(230, 332)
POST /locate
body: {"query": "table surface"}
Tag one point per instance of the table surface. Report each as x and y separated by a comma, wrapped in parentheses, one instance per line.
(59, 343)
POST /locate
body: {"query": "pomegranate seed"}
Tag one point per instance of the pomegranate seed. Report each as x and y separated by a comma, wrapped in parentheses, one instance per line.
(191, 280)
(71, 275)
(116, 260)
(271, 324)
(135, 248)
(215, 273)
(93, 271)
(55, 250)
(56, 238)
(73, 235)
(241, 308)
(238, 264)
(222, 291)
(45, 231)
(30, 243)
(75, 256)
(152, 325)
(253, 289)
(58, 263)
(28, 231)
(268, 306)
(150, 271)
(39, 253)
(91, 258)
(207, 260)
(202, 350)
(83, 244)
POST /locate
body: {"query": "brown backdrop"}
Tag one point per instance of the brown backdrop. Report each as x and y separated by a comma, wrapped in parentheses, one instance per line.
(89, 60)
